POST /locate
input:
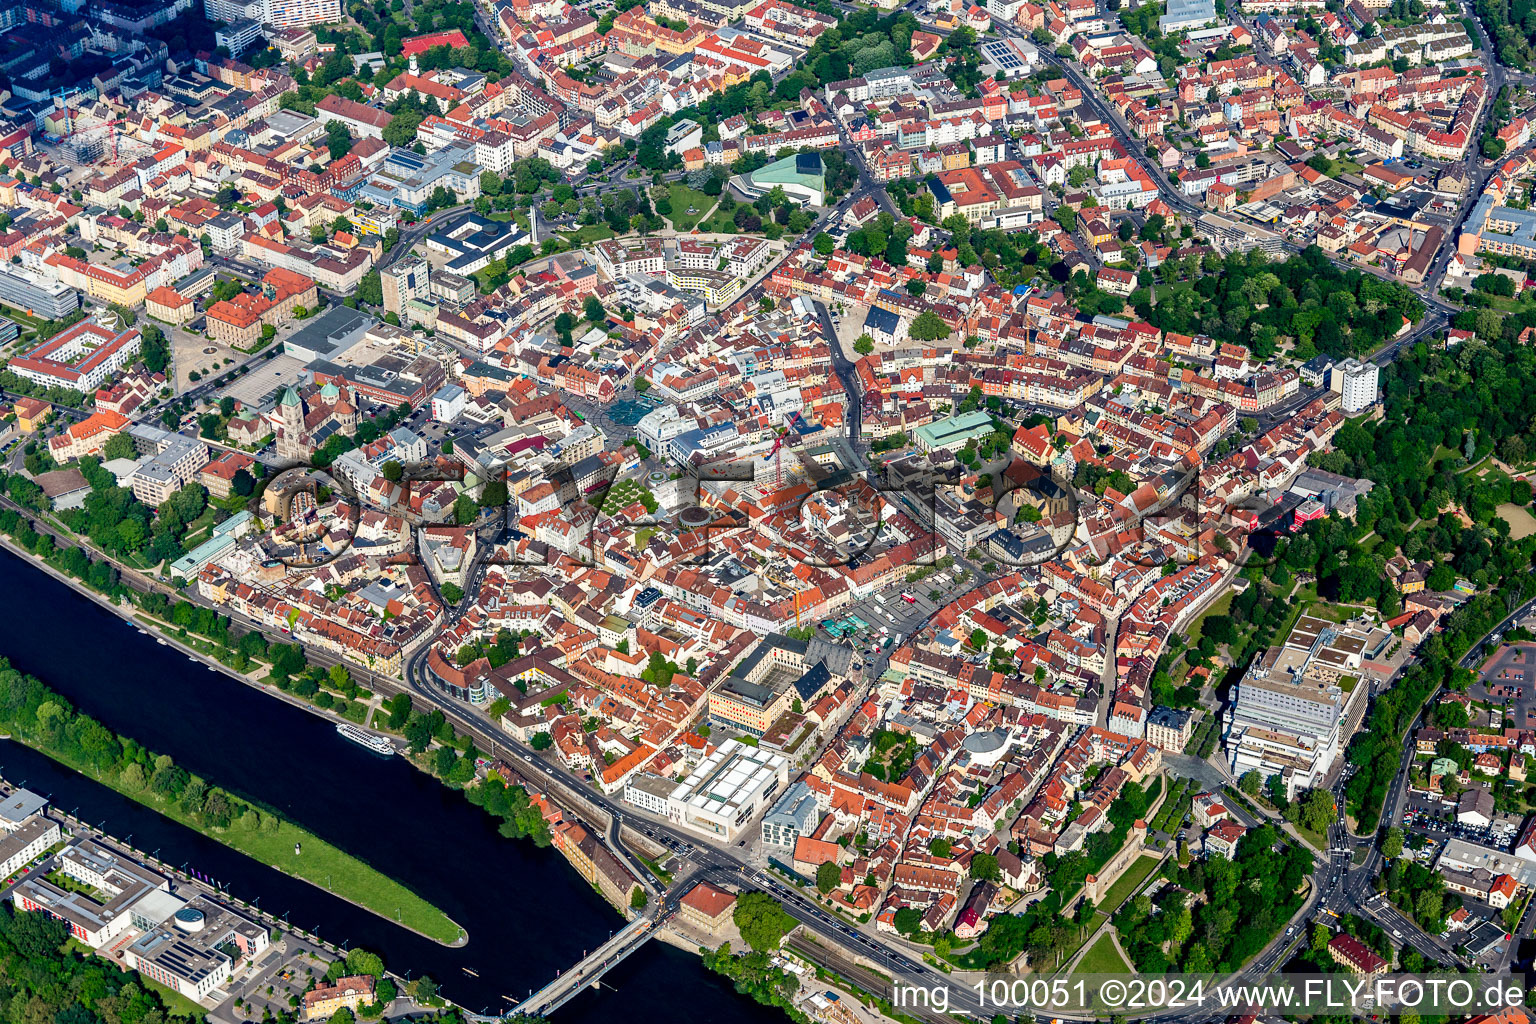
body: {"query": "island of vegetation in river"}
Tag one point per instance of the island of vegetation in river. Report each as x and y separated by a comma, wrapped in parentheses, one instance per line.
(42, 719)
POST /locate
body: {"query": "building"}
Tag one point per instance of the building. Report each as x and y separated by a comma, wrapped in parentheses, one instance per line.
(278, 14)
(793, 815)
(240, 321)
(727, 789)
(351, 992)
(30, 414)
(1355, 955)
(174, 461)
(219, 474)
(405, 280)
(954, 433)
(1186, 14)
(99, 910)
(88, 436)
(1290, 709)
(361, 120)
(800, 175)
(706, 908)
(36, 294)
(237, 36)
(196, 949)
(779, 671)
(22, 845)
(1169, 728)
(80, 358)
(1356, 384)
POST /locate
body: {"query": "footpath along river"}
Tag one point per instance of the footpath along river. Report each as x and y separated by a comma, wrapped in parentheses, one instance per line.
(527, 913)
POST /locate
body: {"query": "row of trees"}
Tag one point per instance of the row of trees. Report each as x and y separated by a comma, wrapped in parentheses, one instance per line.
(47, 720)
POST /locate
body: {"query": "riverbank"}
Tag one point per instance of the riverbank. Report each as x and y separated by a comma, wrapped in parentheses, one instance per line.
(44, 723)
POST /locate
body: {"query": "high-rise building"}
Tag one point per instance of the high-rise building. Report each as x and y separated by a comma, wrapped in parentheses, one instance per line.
(274, 13)
(403, 281)
(1355, 382)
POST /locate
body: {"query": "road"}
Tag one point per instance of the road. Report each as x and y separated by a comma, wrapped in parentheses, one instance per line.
(1336, 883)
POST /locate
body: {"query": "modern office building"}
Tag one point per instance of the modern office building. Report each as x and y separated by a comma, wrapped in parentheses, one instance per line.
(238, 36)
(728, 788)
(1294, 706)
(793, 815)
(116, 886)
(33, 293)
(24, 844)
(197, 948)
(175, 461)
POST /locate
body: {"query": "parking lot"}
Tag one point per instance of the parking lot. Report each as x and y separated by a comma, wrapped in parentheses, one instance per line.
(1508, 680)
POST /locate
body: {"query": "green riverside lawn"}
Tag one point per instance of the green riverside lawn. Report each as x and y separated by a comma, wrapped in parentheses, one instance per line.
(319, 862)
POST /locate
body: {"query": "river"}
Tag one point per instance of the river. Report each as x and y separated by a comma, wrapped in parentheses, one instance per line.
(527, 912)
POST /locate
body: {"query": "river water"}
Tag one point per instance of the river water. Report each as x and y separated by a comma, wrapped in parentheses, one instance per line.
(527, 912)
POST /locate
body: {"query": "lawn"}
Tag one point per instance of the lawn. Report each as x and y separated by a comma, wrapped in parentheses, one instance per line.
(683, 198)
(1103, 958)
(176, 1004)
(589, 233)
(1316, 840)
(1220, 606)
(719, 222)
(1521, 523)
(1127, 883)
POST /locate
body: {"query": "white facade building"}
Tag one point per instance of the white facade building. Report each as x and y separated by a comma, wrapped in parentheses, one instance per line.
(1356, 383)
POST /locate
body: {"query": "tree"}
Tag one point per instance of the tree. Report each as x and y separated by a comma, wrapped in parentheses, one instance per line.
(361, 961)
(401, 130)
(908, 921)
(120, 446)
(864, 344)
(452, 593)
(393, 471)
(638, 899)
(1392, 844)
(928, 327)
(1250, 782)
(829, 876)
(593, 310)
(541, 741)
(761, 920)
(337, 139)
(984, 868)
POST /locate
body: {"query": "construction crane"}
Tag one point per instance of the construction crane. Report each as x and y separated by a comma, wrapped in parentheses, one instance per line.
(80, 137)
(776, 453)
